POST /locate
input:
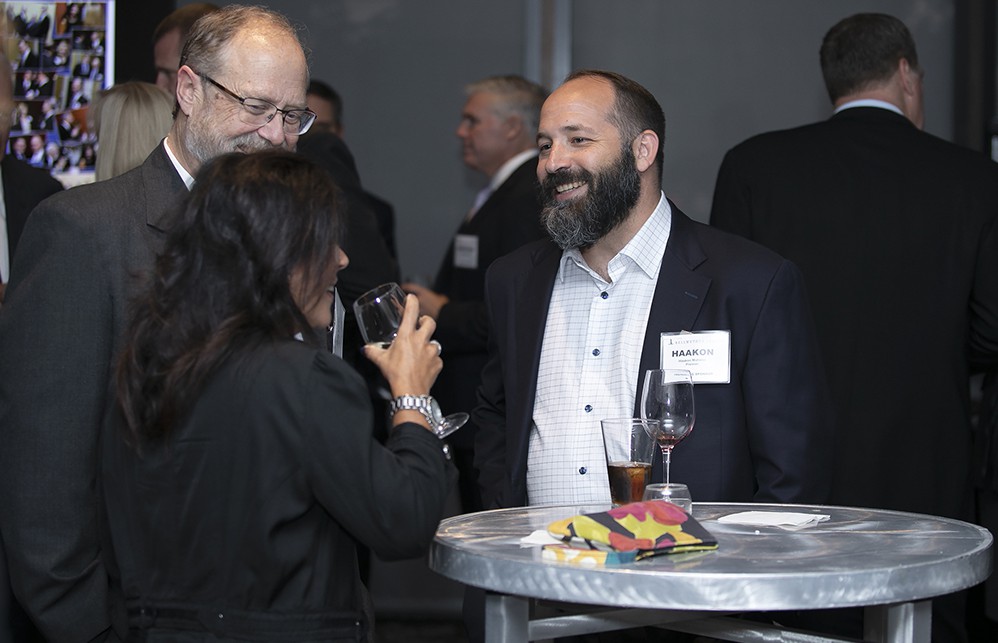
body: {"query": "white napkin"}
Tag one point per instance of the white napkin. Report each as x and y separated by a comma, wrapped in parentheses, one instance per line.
(539, 537)
(782, 519)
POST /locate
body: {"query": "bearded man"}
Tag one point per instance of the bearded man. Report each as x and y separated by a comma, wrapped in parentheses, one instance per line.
(240, 86)
(578, 319)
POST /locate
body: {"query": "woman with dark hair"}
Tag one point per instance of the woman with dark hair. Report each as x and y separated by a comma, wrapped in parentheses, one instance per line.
(246, 470)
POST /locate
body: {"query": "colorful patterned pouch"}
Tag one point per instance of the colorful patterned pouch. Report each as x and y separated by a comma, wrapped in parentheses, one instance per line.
(626, 533)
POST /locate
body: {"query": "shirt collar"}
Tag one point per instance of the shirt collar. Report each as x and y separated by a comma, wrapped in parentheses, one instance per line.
(184, 174)
(645, 249)
(869, 102)
(509, 167)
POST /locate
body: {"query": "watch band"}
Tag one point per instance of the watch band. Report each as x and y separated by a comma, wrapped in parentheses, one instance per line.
(419, 403)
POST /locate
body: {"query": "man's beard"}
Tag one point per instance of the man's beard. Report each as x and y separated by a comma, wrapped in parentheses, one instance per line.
(609, 197)
(205, 142)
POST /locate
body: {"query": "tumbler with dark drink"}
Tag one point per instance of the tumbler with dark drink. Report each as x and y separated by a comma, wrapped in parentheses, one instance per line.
(628, 481)
(629, 446)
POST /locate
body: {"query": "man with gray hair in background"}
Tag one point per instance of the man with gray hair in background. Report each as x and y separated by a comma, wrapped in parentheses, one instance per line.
(240, 86)
(498, 131)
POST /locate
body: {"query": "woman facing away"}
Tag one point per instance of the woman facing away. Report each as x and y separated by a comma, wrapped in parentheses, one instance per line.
(245, 470)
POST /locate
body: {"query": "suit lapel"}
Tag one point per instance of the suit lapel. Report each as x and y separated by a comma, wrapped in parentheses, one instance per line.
(532, 291)
(164, 189)
(679, 294)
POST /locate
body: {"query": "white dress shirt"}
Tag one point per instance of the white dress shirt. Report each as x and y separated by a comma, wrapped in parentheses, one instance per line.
(589, 365)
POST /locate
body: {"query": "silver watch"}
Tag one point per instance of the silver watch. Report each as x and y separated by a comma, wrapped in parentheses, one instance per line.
(425, 404)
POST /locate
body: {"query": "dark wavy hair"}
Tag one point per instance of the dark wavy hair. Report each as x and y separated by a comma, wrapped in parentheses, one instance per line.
(221, 284)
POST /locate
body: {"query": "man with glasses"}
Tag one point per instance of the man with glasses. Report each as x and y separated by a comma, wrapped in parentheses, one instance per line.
(240, 86)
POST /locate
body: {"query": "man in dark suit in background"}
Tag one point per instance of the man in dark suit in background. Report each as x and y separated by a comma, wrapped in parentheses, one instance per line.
(894, 230)
(497, 131)
(327, 104)
(576, 322)
(66, 307)
(24, 187)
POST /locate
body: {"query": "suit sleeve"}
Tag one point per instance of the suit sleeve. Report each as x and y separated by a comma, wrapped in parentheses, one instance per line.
(731, 209)
(984, 301)
(56, 340)
(391, 497)
(787, 405)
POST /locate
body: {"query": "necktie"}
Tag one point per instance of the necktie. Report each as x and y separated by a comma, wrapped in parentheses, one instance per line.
(480, 198)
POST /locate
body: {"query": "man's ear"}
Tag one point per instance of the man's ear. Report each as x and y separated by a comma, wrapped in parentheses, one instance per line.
(645, 148)
(188, 88)
(910, 77)
(513, 127)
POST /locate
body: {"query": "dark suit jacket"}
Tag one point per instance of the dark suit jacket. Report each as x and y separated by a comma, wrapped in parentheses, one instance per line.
(894, 231)
(508, 219)
(24, 187)
(760, 438)
(371, 261)
(254, 505)
(60, 329)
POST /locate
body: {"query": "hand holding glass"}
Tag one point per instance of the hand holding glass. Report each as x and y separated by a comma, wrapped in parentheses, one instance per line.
(667, 396)
(379, 313)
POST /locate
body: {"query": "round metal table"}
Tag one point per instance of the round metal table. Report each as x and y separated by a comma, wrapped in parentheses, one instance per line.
(891, 562)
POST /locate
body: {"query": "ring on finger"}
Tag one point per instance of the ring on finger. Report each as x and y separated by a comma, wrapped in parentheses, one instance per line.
(437, 344)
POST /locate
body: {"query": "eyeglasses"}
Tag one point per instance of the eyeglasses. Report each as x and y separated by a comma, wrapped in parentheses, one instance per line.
(259, 112)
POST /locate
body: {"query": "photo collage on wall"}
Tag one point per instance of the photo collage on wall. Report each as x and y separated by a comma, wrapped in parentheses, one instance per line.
(61, 56)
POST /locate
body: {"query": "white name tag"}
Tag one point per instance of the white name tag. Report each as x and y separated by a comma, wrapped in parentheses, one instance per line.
(466, 251)
(706, 354)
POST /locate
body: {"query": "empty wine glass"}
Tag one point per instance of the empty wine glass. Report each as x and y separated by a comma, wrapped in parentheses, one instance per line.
(379, 313)
(667, 396)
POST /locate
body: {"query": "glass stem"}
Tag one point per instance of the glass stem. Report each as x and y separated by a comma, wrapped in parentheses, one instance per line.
(666, 461)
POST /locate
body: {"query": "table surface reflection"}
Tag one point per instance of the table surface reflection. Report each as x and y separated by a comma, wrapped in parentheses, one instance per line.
(859, 557)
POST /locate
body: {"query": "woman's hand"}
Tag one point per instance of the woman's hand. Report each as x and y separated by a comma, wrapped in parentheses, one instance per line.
(412, 362)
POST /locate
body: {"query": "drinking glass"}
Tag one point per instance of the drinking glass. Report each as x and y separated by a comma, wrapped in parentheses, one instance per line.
(629, 447)
(379, 313)
(667, 396)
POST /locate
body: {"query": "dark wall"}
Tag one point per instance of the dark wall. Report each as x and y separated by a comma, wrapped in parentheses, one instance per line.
(134, 23)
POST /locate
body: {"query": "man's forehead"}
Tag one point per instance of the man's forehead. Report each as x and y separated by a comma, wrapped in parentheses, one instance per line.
(577, 105)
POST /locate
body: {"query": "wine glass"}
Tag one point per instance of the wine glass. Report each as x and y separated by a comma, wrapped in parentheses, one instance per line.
(379, 313)
(667, 396)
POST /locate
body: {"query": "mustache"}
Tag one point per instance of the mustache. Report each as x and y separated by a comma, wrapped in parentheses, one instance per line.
(552, 181)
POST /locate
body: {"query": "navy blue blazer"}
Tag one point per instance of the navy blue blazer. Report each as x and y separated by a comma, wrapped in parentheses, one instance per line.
(762, 437)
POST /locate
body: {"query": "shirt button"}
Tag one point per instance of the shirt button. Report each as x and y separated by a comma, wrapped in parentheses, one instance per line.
(589, 408)
(595, 352)
(582, 470)
(604, 295)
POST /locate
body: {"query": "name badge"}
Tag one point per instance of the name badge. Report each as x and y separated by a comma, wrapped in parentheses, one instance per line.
(466, 251)
(706, 354)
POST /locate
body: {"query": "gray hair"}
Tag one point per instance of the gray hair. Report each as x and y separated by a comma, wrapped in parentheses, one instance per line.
(517, 95)
(212, 32)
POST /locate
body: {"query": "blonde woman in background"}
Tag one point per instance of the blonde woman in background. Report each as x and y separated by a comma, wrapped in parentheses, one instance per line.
(129, 120)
